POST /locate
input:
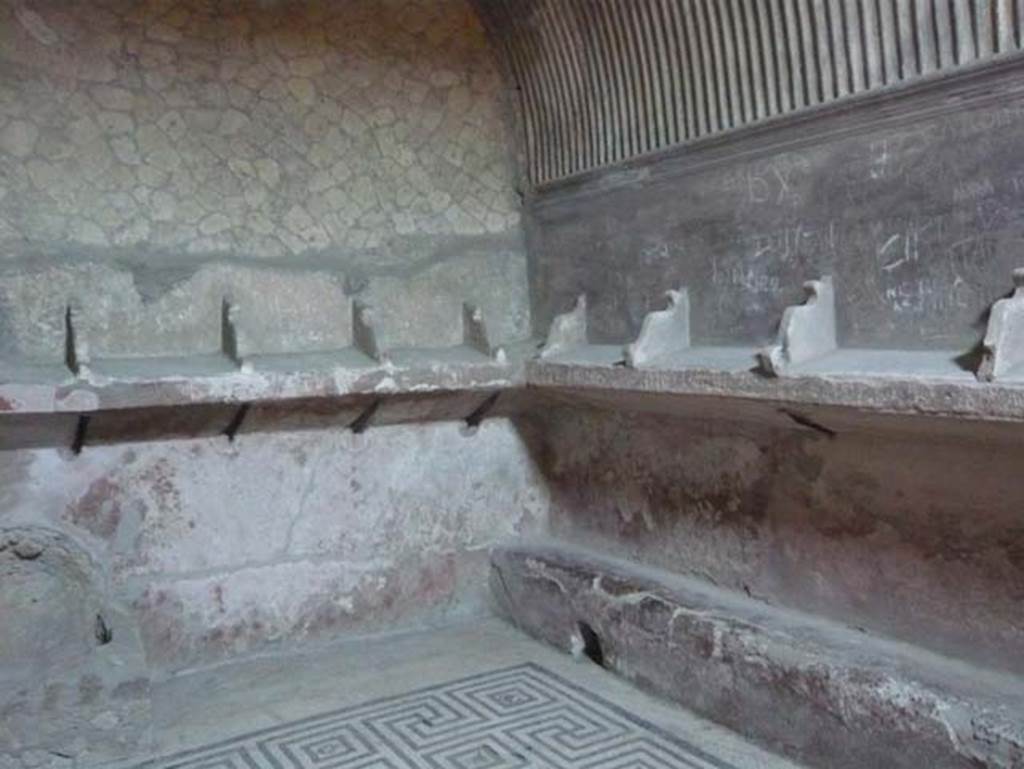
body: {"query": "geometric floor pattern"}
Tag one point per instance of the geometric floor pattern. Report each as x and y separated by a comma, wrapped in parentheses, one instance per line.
(523, 717)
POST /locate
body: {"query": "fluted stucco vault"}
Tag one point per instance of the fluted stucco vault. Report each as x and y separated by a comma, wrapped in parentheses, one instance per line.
(603, 81)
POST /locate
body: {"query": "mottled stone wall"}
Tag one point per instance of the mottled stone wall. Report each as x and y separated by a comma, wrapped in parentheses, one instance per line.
(259, 129)
(201, 550)
(219, 549)
(913, 533)
(69, 684)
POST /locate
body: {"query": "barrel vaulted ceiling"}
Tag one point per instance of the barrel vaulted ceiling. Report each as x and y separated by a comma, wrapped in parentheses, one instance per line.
(602, 81)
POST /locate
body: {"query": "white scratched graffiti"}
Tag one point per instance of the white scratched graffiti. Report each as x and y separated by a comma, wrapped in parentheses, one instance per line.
(753, 279)
(659, 252)
(902, 247)
(927, 295)
(787, 243)
(778, 182)
(922, 266)
(973, 189)
(889, 156)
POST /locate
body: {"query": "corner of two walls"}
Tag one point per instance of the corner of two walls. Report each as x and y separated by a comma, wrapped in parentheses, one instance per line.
(908, 531)
(154, 155)
(652, 177)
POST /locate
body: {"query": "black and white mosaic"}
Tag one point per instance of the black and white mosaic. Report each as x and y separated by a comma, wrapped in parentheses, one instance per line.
(519, 718)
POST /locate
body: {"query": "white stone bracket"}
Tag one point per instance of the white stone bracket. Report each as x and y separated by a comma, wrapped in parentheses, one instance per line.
(808, 331)
(663, 332)
(1003, 347)
(76, 340)
(568, 331)
(233, 342)
(364, 333)
(474, 333)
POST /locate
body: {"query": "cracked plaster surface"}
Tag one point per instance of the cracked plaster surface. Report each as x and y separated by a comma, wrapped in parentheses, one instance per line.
(268, 129)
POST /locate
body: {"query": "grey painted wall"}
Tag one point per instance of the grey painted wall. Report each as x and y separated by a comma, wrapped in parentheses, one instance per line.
(911, 200)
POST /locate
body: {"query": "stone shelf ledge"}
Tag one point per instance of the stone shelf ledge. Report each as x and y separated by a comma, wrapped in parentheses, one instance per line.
(869, 381)
(804, 367)
(156, 401)
(135, 384)
(331, 389)
(926, 388)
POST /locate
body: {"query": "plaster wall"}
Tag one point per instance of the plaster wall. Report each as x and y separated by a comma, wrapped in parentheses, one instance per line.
(226, 548)
(266, 130)
(203, 550)
(156, 158)
(910, 202)
(913, 534)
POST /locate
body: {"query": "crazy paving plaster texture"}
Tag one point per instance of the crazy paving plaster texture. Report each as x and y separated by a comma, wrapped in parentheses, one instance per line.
(913, 536)
(268, 129)
(223, 549)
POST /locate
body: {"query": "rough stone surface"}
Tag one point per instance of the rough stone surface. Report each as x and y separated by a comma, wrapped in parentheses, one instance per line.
(177, 311)
(73, 679)
(822, 693)
(911, 203)
(852, 522)
(50, 599)
(229, 548)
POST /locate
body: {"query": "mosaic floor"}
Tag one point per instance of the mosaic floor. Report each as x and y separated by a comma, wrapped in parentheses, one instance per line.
(472, 695)
(522, 717)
